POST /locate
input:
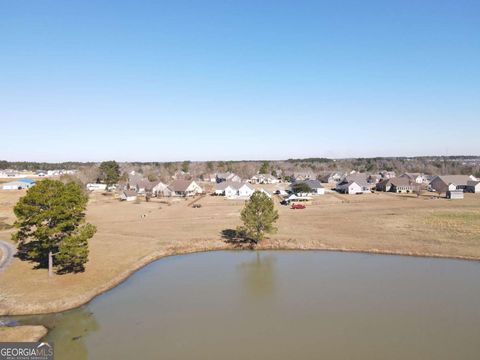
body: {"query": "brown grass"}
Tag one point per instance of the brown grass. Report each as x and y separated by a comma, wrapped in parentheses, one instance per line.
(125, 241)
(22, 333)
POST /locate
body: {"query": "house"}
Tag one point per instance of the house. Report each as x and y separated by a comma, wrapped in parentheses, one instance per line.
(396, 184)
(455, 194)
(128, 195)
(209, 178)
(333, 177)
(293, 198)
(228, 176)
(233, 189)
(315, 185)
(355, 183)
(96, 187)
(444, 183)
(145, 186)
(301, 176)
(41, 173)
(18, 184)
(181, 175)
(160, 189)
(184, 188)
(140, 184)
(227, 188)
(415, 177)
(374, 179)
(245, 191)
(385, 174)
(262, 190)
(473, 186)
(264, 179)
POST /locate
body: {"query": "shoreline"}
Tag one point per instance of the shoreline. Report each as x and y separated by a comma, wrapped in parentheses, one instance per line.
(68, 304)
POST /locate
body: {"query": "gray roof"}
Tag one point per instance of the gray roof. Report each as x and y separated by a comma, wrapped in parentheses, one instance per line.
(455, 179)
(312, 184)
(180, 185)
(399, 181)
(223, 185)
(359, 178)
(129, 193)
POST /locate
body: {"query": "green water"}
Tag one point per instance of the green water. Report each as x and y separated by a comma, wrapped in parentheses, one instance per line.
(279, 305)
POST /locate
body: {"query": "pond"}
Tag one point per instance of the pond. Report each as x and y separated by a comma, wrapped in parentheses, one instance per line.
(279, 305)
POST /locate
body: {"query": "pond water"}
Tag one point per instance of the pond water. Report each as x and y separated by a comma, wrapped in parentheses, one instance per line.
(279, 305)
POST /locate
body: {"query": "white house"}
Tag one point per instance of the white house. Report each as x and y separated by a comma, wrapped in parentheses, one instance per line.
(128, 195)
(18, 185)
(352, 187)
(262, 190)
(228, 176)
(294, 198)
(226, 188)
(315, 186)
(473, 186)
(333, 177)
(232, 189)
(264, 179)
(415, 177)
(96, 187)
(245, 191)
(160, 189)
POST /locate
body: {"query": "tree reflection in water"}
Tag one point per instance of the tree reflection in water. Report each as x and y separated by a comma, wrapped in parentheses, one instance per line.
(259, 275)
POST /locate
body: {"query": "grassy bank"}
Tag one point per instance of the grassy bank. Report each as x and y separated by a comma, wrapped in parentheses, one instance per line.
(25, 333)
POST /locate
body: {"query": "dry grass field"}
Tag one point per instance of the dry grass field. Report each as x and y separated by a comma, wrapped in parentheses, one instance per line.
(125, 241)
(25, 333)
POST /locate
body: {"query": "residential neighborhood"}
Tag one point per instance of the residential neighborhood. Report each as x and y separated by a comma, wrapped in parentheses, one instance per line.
(232, 186)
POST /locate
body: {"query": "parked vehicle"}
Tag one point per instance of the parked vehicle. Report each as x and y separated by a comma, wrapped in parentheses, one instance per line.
(298, 206)
(284, 202)
(196, 206)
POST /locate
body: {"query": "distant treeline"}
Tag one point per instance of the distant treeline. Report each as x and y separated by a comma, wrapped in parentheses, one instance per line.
(431, 165)
(33, 166)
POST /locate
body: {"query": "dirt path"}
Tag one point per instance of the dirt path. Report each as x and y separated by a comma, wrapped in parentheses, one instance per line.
(7, 250)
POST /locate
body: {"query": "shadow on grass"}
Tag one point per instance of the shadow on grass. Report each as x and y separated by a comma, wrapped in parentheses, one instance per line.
(27, 252)
(237, 239)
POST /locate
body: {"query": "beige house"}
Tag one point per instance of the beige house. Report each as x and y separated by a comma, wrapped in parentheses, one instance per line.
(161, 189)
(415, 177)
(184, 188)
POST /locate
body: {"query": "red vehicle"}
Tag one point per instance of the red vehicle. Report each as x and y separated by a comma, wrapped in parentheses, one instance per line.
(298, 206)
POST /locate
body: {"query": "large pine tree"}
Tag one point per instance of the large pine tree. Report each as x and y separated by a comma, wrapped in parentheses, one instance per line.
(258, 216)
(51, 222)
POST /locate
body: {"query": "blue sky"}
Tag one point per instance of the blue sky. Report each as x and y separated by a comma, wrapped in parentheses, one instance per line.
(219, 80)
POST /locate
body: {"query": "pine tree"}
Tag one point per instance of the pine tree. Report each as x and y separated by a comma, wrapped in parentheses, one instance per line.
(51, 221)
(258, 216)
(109, 172)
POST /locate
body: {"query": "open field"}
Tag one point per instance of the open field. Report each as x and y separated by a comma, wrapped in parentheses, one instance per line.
(125, 241)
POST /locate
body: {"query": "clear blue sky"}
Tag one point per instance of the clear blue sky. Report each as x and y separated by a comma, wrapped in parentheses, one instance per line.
(205, 80)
